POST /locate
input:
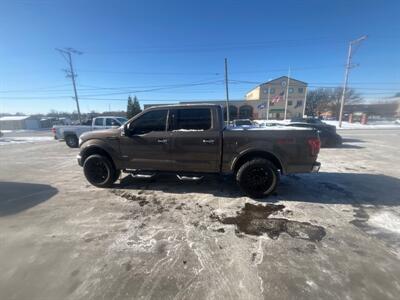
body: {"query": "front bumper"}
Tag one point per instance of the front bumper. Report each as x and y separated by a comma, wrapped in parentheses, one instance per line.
(316, 166)
(79, 159)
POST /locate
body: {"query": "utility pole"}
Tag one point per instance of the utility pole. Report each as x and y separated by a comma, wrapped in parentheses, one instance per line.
(305, 100)
(287, 93)
(67, 54)
(268, 102)
(227, 91)
(346, 73)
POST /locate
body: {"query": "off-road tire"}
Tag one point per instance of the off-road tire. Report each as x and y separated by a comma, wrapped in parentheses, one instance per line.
(117, 174)
(99, 171)
(72, 141)
(258, 177)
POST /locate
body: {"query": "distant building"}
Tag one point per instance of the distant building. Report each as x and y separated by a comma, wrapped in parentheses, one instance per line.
(255, 105)
(387, 110)
(275, 91)
(19, 122)
(238, 109)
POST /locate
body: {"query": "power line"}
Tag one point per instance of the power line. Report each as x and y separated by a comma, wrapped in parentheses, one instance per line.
(149, 73)
(221, 47)
(157, 89)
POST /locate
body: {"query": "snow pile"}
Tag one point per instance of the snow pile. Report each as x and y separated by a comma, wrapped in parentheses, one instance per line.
(265, 128)
(386, 220)
(347, 125)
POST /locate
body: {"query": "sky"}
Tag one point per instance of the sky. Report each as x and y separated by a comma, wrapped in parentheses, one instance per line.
(169, 51)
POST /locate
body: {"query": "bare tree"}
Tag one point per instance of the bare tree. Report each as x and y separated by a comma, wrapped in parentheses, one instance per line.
(328, 99)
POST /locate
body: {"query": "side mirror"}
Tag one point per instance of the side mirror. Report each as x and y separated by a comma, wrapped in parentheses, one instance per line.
(126, 130)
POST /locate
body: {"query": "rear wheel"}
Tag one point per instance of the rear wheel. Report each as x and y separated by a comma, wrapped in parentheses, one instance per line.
(100, 171)
(72, 141)
(258, 177)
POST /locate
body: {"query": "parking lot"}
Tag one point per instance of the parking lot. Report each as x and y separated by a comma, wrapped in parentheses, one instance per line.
(335, 234)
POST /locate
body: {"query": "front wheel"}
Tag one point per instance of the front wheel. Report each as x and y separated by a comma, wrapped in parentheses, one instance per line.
(100, 171)
(258, 177)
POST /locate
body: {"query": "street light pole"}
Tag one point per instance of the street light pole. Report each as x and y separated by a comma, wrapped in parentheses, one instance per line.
(346, 74)
(287, 94)
(227, 91)
(268, 103)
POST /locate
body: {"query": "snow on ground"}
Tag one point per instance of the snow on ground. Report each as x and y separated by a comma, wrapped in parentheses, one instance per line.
(380, 125)
(385, 220)
(23, 140)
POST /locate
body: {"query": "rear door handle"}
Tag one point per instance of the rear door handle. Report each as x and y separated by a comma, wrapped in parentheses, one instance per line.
(162, 141)
(210, 141)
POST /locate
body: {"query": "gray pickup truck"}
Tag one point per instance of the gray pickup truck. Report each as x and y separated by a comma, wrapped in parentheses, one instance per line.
(191, 140)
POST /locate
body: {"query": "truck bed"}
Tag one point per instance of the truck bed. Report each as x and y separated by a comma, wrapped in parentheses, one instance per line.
(288, 144)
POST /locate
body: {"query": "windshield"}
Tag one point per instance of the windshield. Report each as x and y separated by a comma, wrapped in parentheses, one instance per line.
(122, 120)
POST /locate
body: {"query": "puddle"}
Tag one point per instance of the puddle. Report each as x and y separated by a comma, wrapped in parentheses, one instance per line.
(254, 220)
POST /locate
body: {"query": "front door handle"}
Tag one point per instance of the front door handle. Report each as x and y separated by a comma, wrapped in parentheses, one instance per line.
(210, 141)
(162, 141)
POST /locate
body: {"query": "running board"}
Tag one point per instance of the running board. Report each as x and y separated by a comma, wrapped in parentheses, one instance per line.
(142, 175)
(189, 178)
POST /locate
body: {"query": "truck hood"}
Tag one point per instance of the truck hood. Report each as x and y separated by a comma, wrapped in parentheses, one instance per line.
(99, 134)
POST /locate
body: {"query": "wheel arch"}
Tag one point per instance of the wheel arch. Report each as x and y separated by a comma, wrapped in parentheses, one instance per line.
(67, 133)
(95, 149)
(243, 158)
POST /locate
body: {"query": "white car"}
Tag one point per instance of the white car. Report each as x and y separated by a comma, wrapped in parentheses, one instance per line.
(71, 133)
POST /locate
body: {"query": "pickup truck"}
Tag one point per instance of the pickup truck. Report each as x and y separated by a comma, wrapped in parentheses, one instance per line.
(70, 134)
(191, 140)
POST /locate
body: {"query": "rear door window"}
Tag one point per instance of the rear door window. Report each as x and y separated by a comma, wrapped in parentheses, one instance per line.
(196, 119)
(98, 122)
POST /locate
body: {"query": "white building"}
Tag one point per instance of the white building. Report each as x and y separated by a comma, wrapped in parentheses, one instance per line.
(19, 122)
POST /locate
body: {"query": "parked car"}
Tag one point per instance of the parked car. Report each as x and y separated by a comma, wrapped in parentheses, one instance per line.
(309, 120)
(242, 122)
(327, 133)
(188, 140)
(71, 133)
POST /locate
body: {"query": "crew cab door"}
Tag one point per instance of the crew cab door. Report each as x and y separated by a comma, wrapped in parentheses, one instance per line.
(195, 140)
(146, 144)
(112, 123)
(98, 123)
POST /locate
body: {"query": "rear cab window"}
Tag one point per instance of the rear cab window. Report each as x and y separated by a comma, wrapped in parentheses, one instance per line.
(192, 119)
(99, 122)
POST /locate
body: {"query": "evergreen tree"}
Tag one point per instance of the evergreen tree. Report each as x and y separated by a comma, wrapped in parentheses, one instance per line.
(136, 106)
(133, 107)
(129, 108)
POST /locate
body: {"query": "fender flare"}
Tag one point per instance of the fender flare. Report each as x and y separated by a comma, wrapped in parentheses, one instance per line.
(276, 159)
